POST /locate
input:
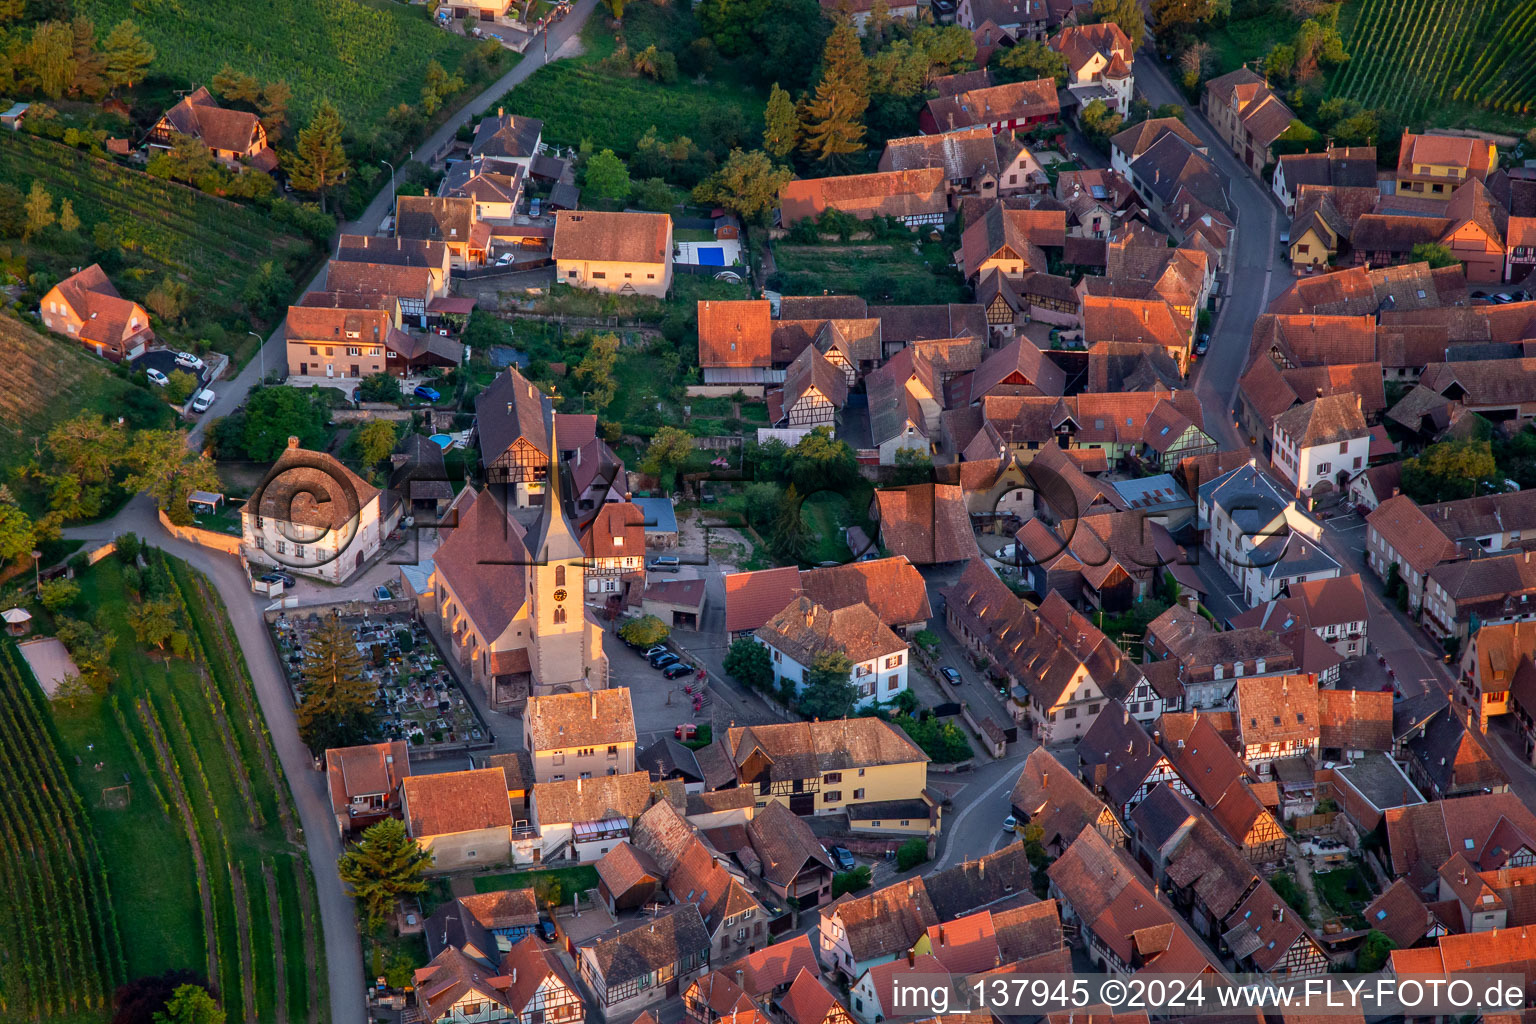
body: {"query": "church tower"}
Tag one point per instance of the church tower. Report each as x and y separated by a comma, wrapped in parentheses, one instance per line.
(559, 658)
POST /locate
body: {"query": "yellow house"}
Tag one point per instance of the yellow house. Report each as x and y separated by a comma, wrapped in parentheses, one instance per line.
(1325, 215)
(1433, 166)
(580, 735)
(463, 819)
(622, 253)
(824, 767)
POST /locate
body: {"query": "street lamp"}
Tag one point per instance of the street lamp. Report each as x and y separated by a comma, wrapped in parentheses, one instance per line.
(391, 167)
(37, 570)
(261, 348)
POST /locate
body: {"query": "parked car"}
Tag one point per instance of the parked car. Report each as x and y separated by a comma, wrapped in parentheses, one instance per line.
(665, 563)
(287, 578)
(950, 674)
(189, 361)
(661, 661)
(156, 377)
(1010, 824)
(677, 670)
(843, 858)
(505, 258)
(382, 594)
(533, 206)
(1504, 298)
(270, 578)
(204, 400)
(546, 928)
(1203, 345)
(651, 652)
(430, 394)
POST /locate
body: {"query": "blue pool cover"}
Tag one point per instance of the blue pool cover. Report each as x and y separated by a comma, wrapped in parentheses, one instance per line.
(711, 256)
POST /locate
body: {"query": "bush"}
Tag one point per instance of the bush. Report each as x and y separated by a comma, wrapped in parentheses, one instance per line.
(1286, 888)
(128, 547)
(59, 594)
(749, 663)
(943, 742)
(380, 387)
(911, 853)
(853, 881)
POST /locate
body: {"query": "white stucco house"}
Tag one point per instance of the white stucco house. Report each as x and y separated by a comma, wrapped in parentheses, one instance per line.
(313, 516)
(1322, 444)
(796, 635)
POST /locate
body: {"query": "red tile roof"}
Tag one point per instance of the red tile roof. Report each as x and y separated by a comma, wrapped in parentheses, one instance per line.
(912, 193)
(752, 598)
(451, 802)
(613, 237)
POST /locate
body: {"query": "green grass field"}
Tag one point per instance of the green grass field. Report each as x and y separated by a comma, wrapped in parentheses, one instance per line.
(1442, 62)
(364, 55)
(188, 731)
(577, 879)
(162, 229)
(577, 100)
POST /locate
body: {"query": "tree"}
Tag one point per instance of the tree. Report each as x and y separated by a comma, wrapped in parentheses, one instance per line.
(645, 632)
(595, 371)
(911, 853)
(1448, 471)
(69, 222)
(616, 8)
(39, 210)
(126, 55)
(1178, 17)
(267, 290)
(58, 594)
(781, 124)
(748, 184)
(380, 387)
(1030, 60)
(913, 466)
(788, 536)
(1099, 122)
(1433, 253)
(1195, 62)
(1280, 62)
(667, 453)
(374, 441)
(651, 194)
(49, 58)
(89, 78)
(829, 691)
(179, 386)
(167, 299)
(272, 415)
(152, 622)
(1286, 888)
(820, 462)
(833, 117)
(88, 447)
(12, 11)
(190, 1004)
(385, 865)
(607, 177)
(236, 86)
(749, 663)
(17, 533)
(1374, 952)
(321, 162)
(852, 881)
(275, 96)
(90, 649)
(139, 1000)
(336, 708)
(160, 465)
(1125, 13)
(436, 88)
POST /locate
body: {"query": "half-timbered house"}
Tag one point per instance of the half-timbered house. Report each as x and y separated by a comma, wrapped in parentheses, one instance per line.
(539, 988)
(1050, 797)
(1250, 824)
(813, 393)
(1121, 762)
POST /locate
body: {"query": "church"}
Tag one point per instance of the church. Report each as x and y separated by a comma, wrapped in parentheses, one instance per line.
(508, 585)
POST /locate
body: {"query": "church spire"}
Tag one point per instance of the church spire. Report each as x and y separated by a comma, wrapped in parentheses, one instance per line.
(554, 539)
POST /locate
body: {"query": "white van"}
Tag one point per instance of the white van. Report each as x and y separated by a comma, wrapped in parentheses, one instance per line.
(204, 400)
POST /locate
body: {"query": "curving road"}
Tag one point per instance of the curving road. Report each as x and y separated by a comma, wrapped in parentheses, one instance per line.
(563, 42)
(343, 946)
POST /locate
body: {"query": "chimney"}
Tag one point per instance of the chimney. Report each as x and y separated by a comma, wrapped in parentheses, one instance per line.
(740, 975)
(501, 111)
(514, 975)
(293, 442)
(1279, 912)
(911, 889)
(941, 935)
(578, 783)
(911, 958)
(1045, 780)
(1319, 392)
(594, 705)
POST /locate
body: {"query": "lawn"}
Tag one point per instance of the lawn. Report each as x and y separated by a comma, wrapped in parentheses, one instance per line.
(578, 100)
(1346, 891)
(577, 879)
(825, 514)
(896, 272)
(161, 229)
(46, 380)
(180, 737)
(366, 56)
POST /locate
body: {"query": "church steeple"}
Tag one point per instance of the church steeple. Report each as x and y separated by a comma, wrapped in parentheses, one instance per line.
(554, 539)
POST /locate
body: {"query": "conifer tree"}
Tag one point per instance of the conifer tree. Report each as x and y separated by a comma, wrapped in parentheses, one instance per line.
(833, 116)
(337, 705)
(126, 54)
(781, 131)
(384, 866)
(321, 163)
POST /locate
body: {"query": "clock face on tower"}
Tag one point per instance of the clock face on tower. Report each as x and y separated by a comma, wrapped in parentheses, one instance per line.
(560, 595)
